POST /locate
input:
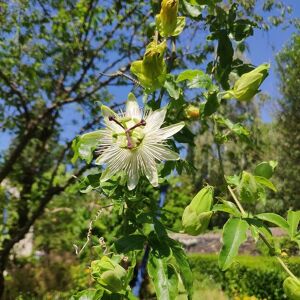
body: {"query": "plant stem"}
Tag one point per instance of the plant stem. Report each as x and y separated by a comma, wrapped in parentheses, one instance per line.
(215, 129)
(284, 266)
(236, 200)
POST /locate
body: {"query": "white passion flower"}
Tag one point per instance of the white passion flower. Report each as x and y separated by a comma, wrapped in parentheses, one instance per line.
(133, 142)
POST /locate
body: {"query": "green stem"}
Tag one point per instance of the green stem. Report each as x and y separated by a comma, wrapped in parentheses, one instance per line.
(215, 129)
(239, 205)
(284, 266)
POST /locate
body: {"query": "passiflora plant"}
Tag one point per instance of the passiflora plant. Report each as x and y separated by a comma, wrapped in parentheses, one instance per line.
(137, 148)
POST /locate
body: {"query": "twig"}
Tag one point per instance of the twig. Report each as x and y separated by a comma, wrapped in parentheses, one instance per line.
(236, 200)
(119, 73)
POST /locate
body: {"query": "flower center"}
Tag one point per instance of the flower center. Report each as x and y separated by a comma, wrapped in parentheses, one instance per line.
(132, 137)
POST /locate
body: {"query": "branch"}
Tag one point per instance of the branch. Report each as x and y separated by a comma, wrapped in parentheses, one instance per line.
(12, 85)
(100, 47)
(53, 191)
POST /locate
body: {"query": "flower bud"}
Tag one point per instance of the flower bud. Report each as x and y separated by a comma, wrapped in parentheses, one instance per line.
(197, 214)
(192, 112)
(248, 84)
(167, 18)
(109, 274)
(291, 287)
(152, 70)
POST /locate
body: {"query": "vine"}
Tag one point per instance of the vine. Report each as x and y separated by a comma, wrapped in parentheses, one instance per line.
(132, 146)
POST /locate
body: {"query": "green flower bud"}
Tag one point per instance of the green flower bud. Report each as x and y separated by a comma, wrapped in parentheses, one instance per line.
(197, 214)
(152, 70)
(291, 287)
(167, 18)
(167, 22)
(109, 274)
(248, 84)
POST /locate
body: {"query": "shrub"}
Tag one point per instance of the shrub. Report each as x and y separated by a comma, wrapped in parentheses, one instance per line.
(257, 276)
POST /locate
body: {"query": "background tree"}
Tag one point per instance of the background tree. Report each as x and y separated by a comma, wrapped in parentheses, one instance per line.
(53, 57)
(288, 123)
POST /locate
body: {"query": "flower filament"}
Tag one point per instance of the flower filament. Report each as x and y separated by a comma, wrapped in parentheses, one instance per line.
(133, 135)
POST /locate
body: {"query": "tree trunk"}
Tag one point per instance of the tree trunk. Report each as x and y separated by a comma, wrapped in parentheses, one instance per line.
(3, 264)
(1, 285)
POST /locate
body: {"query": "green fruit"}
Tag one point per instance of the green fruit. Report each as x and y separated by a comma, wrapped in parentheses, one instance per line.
(291, 287)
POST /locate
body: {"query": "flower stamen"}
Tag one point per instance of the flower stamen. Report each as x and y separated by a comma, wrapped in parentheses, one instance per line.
(127, 132)
(111, 118)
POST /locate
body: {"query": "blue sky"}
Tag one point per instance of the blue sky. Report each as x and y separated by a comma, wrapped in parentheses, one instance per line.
(263, 47)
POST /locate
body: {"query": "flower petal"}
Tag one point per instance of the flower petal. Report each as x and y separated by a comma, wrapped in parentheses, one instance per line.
(132, 108)
(107, 112)
(155, 119)
(161, 152)
(149, 167)
(168, 131)
(133, 173)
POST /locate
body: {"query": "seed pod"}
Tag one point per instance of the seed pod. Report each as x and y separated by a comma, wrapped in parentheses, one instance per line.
(109, 274)
(197, 214)
(152, 70)
(291, 287)
(248, 84)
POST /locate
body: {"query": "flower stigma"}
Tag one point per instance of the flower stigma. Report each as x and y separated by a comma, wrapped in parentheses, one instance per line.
(134, 136)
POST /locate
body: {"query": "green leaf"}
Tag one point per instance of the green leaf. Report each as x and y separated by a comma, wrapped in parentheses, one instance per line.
(275, 219)
(173, 90)
(248, 188)
(210, 106)
(185, 135)
(265, 169)
(234, 234)
(265, 182)
(197, 79)
(90, 182)
(130, 243)
(261, 228)
(233, 180)
(84, 145)
(179, 26)
(225, 49)
(189, 75)
(227, 207)
(183, 267)
(293, 219)
(164, 277)
(90, 294)
(192, 10)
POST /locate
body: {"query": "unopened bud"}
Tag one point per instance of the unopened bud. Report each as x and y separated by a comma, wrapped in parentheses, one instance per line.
(167, 18)
(248, 84)
(192, 112)
(109, 274)
(152, 70)
(197, 214)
